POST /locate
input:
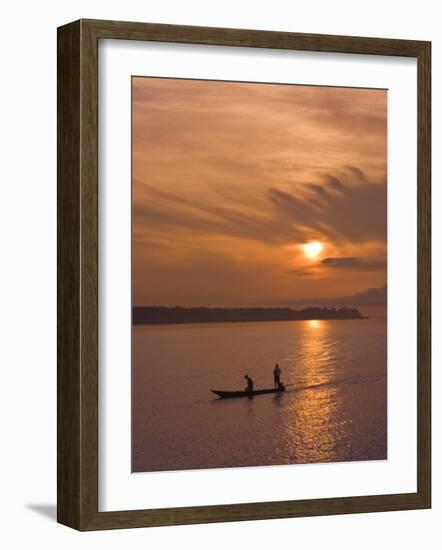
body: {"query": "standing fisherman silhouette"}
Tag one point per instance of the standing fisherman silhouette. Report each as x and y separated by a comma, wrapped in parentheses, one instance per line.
(277, 376)
(249, 384)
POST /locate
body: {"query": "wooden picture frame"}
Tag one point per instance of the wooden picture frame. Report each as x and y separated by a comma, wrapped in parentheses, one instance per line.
(78, 274)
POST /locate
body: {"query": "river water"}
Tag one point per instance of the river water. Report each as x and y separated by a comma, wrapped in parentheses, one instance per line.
(334, 410)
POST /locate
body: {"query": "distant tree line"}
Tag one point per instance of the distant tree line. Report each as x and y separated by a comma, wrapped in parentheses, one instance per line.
(159, 315)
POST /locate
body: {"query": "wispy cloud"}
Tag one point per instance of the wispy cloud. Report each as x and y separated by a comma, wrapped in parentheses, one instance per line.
(353, 262)
(348, 207)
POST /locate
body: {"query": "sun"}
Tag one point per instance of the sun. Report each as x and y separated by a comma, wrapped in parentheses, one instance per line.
(312, 249)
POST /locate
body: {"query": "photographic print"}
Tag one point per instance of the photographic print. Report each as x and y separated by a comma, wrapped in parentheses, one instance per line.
(259, 274)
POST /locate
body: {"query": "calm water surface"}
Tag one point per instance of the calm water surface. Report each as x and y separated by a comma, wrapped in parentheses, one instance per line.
(335, 411)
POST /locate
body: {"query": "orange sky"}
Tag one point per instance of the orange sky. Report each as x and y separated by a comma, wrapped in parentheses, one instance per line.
(230, 179)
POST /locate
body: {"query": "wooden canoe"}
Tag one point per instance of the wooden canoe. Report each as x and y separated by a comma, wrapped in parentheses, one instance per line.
(232, 394)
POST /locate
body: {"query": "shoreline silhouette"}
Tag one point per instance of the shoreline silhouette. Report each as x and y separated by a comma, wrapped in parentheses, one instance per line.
(162, 315)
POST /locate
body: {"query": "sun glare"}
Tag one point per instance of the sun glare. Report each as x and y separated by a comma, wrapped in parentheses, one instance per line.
(312, 249)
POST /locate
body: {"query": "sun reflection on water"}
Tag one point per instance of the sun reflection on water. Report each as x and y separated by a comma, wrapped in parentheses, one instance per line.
(312, 426)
